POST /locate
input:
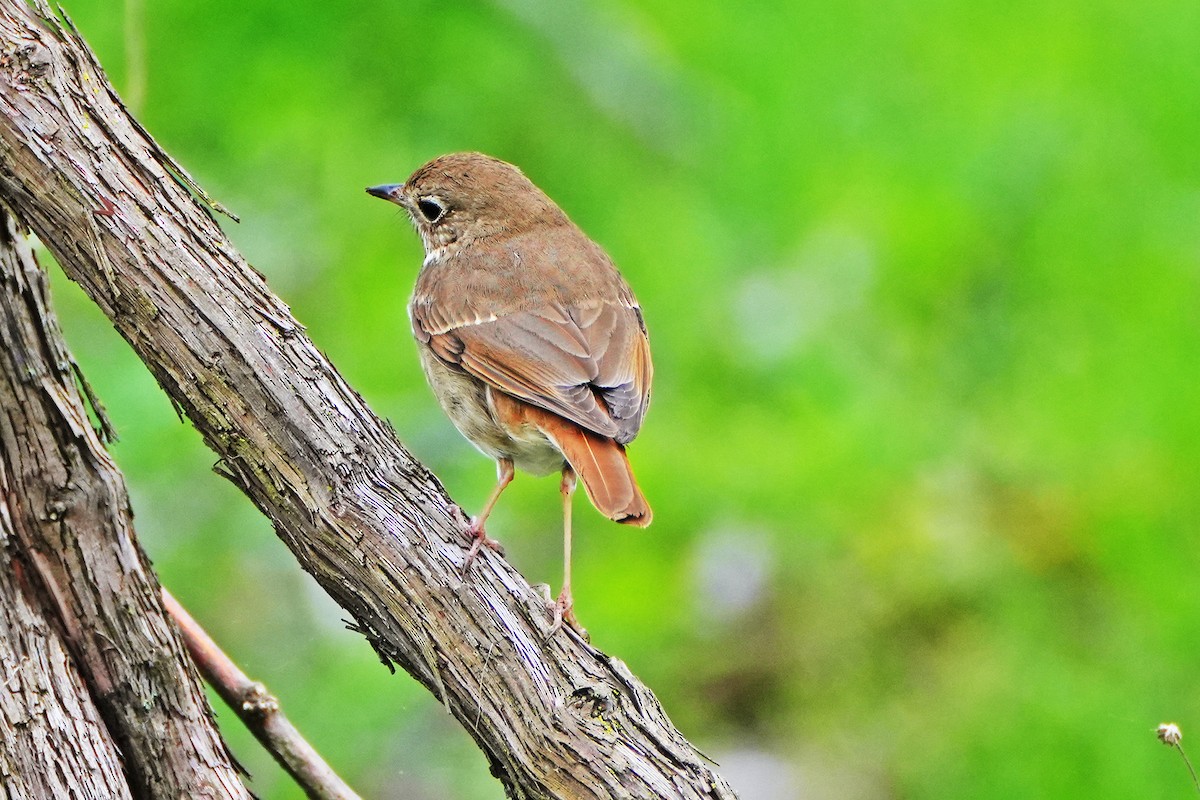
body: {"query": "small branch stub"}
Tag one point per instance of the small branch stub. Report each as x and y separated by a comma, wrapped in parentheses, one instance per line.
(259, 702)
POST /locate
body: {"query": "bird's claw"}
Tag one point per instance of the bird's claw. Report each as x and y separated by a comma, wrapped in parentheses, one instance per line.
(564, 611)
(479, 540)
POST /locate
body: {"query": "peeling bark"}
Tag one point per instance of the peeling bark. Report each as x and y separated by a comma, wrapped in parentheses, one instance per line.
(53, 743)
(554, 716)
(77, 583)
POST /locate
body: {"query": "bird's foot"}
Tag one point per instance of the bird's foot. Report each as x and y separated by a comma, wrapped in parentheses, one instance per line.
(479, 540)
(564, 611)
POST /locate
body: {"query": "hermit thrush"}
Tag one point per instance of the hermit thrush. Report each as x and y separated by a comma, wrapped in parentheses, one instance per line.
(530, 338)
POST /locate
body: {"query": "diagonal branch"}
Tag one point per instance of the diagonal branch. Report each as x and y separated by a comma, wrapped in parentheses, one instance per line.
(258, 710)
(555, 717)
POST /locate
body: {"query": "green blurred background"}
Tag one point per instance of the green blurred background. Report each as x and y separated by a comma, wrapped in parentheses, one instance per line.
(922, 281)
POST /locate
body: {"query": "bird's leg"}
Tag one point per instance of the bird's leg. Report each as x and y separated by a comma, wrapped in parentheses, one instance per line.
(479, 537)
(564, 607)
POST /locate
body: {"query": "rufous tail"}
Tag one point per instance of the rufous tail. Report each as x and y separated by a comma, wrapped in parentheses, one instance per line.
(601, 465)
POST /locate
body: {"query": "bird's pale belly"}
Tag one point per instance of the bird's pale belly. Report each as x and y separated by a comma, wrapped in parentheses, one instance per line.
(464, 399)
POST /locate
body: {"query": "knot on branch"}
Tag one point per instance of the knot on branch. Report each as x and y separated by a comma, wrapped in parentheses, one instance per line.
(27, 64)
(259, 702)
(597, 701)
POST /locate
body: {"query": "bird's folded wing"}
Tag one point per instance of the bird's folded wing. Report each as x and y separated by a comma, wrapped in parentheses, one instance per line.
(590, 365)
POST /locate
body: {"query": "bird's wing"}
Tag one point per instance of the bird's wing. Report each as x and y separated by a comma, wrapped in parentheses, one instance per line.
(588, 364)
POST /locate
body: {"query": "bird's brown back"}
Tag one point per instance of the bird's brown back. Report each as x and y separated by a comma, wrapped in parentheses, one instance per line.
(545, 316)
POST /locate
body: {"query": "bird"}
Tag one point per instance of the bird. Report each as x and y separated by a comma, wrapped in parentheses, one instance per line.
(531, 340)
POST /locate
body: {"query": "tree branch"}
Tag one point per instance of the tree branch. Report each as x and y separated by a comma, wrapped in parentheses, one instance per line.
(52, 740)
(555, 717)
(258, 711)
(70, 548)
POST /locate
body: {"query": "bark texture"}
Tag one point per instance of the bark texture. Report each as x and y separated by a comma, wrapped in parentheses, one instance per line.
(53, 743)
(555, 717)
(79, 585)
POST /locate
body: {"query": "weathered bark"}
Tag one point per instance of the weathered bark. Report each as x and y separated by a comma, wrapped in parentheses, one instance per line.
(72, 559)
(555, 717)
(52, 741)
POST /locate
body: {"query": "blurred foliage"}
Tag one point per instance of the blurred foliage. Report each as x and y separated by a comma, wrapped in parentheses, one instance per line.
(922, 281)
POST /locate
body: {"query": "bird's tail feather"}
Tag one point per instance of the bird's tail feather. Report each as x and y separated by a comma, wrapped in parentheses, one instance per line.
(601, 465)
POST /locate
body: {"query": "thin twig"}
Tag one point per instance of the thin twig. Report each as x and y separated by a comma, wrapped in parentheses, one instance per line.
(259, 711)
(1191, 769)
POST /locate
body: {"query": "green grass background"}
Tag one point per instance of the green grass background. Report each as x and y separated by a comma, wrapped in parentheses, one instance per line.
(922, 281)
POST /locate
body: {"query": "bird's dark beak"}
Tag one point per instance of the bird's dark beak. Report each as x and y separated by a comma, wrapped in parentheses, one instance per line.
(388, 191)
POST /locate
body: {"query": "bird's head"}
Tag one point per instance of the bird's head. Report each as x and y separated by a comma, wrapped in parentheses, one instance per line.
(464, 196)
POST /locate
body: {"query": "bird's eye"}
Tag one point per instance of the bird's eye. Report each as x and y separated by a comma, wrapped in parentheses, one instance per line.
(431, 208)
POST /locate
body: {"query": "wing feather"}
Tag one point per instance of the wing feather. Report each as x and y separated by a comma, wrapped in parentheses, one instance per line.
(588, 364)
